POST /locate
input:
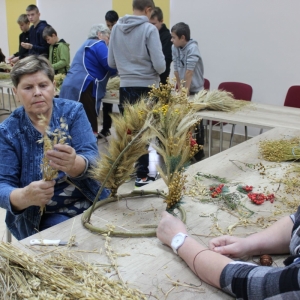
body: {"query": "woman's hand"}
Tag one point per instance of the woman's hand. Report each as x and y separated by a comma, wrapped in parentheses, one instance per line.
(230, 246)
(168, 227)
(37, 193)
(62, 158)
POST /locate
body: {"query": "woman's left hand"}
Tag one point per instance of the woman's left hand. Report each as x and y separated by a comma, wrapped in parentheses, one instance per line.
(62, 158)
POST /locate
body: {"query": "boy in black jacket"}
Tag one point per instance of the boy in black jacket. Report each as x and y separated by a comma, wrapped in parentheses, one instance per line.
(165, 38)
(37, 43)
(23, 38)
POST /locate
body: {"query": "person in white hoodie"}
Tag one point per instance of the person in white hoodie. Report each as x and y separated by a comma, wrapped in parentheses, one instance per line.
(188, 67)
(136, 51)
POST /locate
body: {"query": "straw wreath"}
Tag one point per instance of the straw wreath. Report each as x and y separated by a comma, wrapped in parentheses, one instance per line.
(170, 117)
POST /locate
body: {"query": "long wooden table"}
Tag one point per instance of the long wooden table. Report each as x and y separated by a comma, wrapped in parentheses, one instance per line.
(7, 84)
(256, 115)
(154, 268)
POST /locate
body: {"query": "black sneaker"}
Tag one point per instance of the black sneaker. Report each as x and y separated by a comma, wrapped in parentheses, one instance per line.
(143, 181)
(102, 134)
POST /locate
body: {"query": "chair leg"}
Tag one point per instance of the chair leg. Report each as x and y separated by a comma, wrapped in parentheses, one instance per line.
(232, 134)
(246, 133)
(8, 235)
(210, 138)
(221, 137)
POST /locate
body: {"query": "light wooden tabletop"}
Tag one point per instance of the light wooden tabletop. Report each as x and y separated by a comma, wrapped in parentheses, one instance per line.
(152, 267)
(258, 115)
(255, 115)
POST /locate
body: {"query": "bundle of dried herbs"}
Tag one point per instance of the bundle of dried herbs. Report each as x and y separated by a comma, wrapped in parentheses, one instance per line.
(217, 100)
(280, 150)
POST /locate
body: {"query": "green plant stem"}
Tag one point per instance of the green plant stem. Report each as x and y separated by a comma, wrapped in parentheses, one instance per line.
(135, 193)
(110, 171)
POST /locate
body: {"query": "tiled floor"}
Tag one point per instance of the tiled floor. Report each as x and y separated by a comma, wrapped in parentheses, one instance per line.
(154, 160)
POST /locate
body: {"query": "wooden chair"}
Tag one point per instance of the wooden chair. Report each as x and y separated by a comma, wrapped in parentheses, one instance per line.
(240, 91)
(292, 98)
(206, 84)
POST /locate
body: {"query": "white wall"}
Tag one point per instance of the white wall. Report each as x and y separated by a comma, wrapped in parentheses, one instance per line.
(3, 30)
(256, 42)
(72, 19)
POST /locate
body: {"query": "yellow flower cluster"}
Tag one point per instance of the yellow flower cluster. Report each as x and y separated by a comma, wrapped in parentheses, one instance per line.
(175, 188)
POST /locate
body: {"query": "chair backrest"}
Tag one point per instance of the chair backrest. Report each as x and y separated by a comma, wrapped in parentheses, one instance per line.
(292, 98)
(206, 84)
(240, 91)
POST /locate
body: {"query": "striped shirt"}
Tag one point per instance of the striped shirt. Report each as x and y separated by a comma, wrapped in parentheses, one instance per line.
(244, 280)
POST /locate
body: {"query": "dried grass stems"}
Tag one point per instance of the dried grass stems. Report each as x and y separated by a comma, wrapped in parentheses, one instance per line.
(128, 128)
(5, 66)
(59, 78)
(4, 76)
(61, 275)
(217, 100)
(113, 83)
(59, 135)
(174, 120)
(280, 150)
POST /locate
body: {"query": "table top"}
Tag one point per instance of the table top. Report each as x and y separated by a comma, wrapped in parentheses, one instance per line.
(148, 265)
(258, 115)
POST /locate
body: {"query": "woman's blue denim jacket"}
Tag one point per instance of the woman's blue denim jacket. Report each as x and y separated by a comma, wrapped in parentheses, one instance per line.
(21, 158)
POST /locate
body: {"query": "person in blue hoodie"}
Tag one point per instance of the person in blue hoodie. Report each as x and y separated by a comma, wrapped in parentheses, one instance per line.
(37, 45)
(135, 50)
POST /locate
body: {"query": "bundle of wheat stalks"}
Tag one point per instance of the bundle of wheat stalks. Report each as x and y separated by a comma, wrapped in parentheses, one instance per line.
(164, 115)
(216, 100)
(5, 66)
(59, 78)
(59, 276)
(4, 76)
(280, 150)
(127, 126)
(113, 83)
(50, 139)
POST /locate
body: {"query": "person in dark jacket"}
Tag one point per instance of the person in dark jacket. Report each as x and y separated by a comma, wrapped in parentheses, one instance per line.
(37, 44)
(157, 20)
(23, 38)
(111, 18)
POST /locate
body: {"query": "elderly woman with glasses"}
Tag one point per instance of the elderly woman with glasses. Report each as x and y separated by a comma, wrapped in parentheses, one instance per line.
(87, 78)
(22, 188)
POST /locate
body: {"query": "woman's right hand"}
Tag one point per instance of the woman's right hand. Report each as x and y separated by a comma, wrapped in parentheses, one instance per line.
(231, 246)
(39, 193)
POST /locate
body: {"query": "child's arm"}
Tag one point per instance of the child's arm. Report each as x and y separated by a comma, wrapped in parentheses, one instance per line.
(188, 79)
(177, 79)
(192, 59)
(174, 58)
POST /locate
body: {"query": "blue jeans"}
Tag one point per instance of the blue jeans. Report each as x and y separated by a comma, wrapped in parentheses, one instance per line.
(49, 220)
